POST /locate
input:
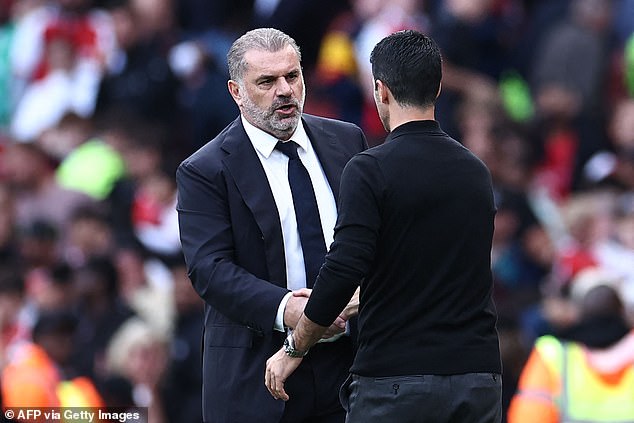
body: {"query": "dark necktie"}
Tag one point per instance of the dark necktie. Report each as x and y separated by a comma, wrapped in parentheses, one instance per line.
(311, 235)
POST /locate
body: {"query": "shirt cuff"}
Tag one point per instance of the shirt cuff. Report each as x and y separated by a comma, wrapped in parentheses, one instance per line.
(279, 319)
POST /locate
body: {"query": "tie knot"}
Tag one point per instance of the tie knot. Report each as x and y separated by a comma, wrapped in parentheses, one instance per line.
(288, 148)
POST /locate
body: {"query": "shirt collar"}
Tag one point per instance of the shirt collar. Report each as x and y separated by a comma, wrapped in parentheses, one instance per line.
(265, 143)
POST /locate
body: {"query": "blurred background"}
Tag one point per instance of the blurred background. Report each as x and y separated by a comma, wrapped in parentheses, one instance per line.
(101, 99)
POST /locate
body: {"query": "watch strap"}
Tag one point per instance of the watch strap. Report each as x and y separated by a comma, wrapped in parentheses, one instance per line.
(290, 350)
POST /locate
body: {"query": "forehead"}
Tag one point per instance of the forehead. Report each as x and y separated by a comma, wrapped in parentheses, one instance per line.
(260, 62)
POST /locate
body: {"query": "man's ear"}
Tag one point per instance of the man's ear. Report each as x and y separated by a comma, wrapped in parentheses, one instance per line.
(234, 90)
(439, 90)
(382, 91)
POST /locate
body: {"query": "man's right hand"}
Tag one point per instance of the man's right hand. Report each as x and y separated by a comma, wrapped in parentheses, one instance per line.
(295, 307)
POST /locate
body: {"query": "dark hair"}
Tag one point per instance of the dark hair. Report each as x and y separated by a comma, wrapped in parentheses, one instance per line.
(61, 274)
(409, 63)
(89, 212)
(54, 322)
(11, 281)
(104, 269)
(602, 300)
(40, 230)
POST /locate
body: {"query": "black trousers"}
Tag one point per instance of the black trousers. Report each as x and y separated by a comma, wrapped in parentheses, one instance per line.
(314, 387)
(472, 397)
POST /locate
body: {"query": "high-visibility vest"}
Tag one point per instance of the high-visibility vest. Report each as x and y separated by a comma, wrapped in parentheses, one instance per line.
(32, 380)
(78, 392)
(585, 396)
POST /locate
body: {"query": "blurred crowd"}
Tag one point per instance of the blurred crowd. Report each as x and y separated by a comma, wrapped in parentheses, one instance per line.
(101, 99)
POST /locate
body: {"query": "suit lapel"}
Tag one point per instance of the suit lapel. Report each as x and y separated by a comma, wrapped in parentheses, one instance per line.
(247, 172)
(325, 143)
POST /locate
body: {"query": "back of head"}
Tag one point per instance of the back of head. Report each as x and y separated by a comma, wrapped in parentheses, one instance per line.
(601, 301)
(410, 64)
(54, 331)
(54, 322)
(263, 39)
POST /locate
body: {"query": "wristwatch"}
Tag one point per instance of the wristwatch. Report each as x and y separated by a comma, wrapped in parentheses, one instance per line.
(289, 348)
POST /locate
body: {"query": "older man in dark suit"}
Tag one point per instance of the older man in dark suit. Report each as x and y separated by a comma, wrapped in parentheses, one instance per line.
(257, 208)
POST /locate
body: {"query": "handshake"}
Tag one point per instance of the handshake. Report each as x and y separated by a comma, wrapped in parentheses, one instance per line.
(283, 363)
(296, 304)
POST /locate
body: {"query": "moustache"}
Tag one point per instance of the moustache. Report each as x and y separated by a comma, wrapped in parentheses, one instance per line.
(284, 101)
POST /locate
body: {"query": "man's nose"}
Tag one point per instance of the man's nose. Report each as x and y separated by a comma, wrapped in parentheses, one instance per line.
(284, 88)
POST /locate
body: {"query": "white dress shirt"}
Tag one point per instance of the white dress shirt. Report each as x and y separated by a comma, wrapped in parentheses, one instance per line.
(275, 165)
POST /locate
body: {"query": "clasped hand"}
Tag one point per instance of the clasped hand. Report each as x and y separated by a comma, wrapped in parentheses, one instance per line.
(295, 308)
(280, 366)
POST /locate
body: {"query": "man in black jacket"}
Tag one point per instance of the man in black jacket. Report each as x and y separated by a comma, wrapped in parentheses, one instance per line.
(414, 230)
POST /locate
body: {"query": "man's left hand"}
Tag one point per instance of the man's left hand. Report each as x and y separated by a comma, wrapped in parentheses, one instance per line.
(278, 368)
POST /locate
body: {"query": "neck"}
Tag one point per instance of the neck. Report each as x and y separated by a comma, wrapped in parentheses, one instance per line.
(400, 115)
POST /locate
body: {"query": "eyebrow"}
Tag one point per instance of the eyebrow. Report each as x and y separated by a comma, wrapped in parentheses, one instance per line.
(265, 77)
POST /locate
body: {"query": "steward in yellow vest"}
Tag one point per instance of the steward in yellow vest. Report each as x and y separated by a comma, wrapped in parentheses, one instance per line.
(34, 374)
(585, 375)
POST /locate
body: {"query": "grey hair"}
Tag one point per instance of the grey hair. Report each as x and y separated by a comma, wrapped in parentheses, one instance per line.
(263, 39)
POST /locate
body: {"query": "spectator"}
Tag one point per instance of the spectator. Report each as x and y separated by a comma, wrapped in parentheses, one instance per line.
(38, 246)
(140, 79)
(139, 353)
(154, 216)
(206, 32)
(590, 217)
(567, 88)
(37, 194)
(14, 328)
(141, 201)
(7, 31)
(41, 373)
(614, 167)
(336, 81)
(94, 166)
(89, 236)
(101, 312)
(61, 139)
(378, 20)
(467, 34)
(304, 20)
(61, 50)
(52, 288)
(183, 381)
(145, 283)
(8, 234)
(585, 372)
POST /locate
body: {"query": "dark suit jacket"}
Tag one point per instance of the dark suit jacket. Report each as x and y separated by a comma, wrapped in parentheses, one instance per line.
(232, 241)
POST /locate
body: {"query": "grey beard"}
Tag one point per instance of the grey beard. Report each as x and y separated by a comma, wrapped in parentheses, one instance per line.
(269, 122)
